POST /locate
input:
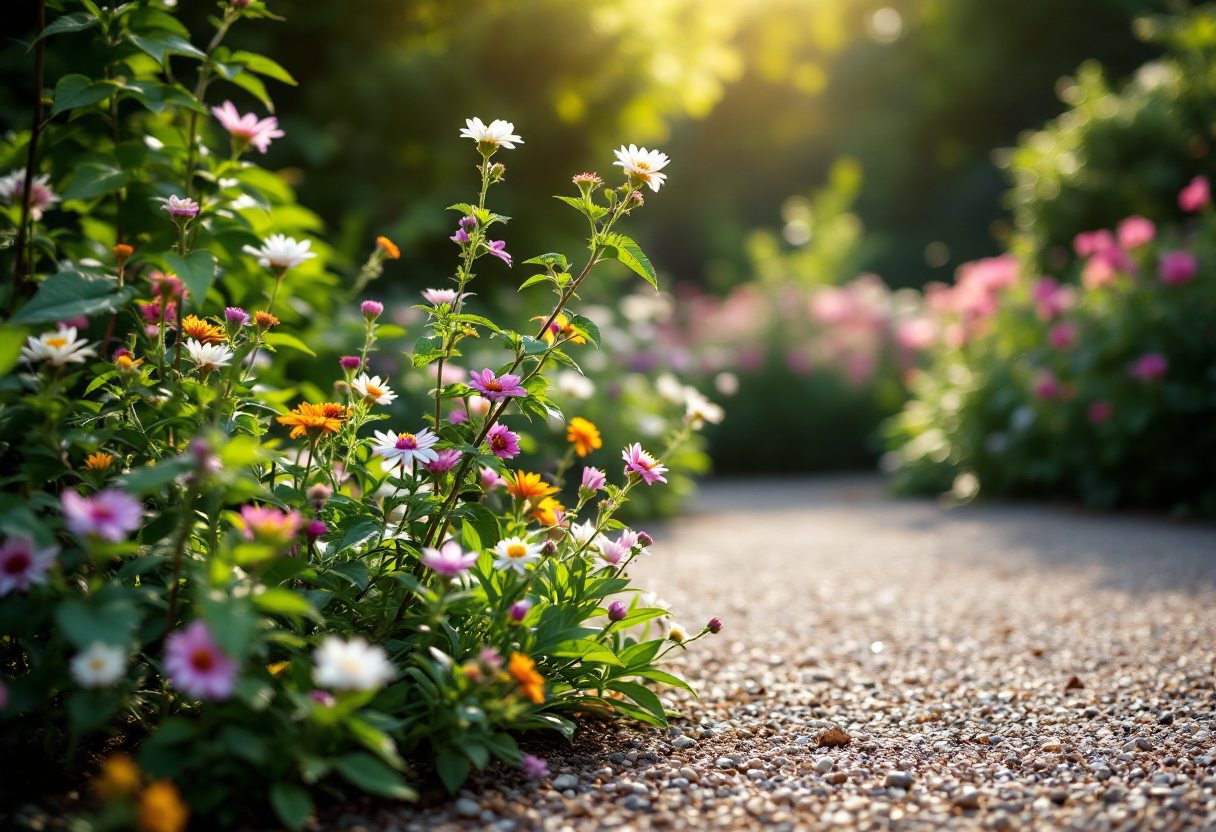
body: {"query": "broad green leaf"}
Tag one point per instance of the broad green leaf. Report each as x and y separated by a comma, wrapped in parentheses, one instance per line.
(533, 280)
(148, 478)
(94, 179)
(629, 253)
(88, 710)
(587, 328)
(533, 346)
(483, 522)
(373, 776)
(108, 617)
(665, 678)
(12, 339)
(158, 97)
(152, 21)
(292, 804)
(282, 339)
(552, 259)
(65, 24)
(477, 319)
(262, 66)
(69, 294)
(452, 768)
(253, 85)
(197, 271)
(162, 44)
(427, 350)
(642, 695)
(592, 211)
(284, 601)
(586, 650)
(74, 91)
(232, 622)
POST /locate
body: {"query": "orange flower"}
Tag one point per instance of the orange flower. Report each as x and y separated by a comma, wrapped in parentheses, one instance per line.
(161, 809)
(99, 461)
(523, 486)
(122, 253)
(203, 331)
(584, 435)
(546, 511)
(119, 776)
(388, 247)
(314, 419)
(561, 326)
(265, 320)
(124, 362)
(531, 683)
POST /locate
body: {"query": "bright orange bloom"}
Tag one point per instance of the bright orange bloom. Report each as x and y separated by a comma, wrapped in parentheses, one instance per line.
(265, 320)
(124, 362)
(546, 511)
(314, 419)
(99, 461)
(523, 486)
(161, 809)
(119, 776)
(584, 435)
(561, 326)
(122, 253)
(531, 683)
(202, 331)
(388, 247)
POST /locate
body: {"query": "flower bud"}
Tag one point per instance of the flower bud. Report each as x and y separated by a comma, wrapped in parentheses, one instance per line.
(321, 697)
(318, 494)
(122, 253)
(236, 318)
(549, 549)
(371, 309)
(315, 529)
(350, 362)
(519, 610)
(341, 388)
(617, 611)
(264, 321)
(240, 4)
(714, 625)
(645, 540)
(497, 171)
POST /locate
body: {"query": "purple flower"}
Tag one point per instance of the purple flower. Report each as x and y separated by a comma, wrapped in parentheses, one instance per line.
(181, 209)
(593, 479)
(371, 309)
(197, 665)
(445, 460)
(498, 248)
(323, 697)
(438, 297)
(493, 388)
(79, 322)
(315, 529)
(23, 564)
(110, 514)
(617, 611)
(269, 525)
(468, 222)
(519, 610)
(534, 767)
(236, 316)
(350, 362)
(448, 559)
(460, 236)
(1150, 367)
(490, 479)
(458, 417)
(645, 540)
(1177, 267)
(643, 464)
(490, 657)
(503, 443)
(714, 625)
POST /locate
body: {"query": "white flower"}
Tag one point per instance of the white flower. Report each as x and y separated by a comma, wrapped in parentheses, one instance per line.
(677, 634)
(701, 410)
(58, 347)
(281, 252)
(516, 553)
(437, 297)
(181, 207)
(41, 195)
(100, 666)
(402, 448)
(584, 534)
(642, 165)
(479, 406)
(575, 385)
(498, 133)
(208, 356)
(670, 388)
(351, 665)
(373, 390)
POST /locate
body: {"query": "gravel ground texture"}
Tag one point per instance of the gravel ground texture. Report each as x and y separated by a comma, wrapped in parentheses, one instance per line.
(890, 664)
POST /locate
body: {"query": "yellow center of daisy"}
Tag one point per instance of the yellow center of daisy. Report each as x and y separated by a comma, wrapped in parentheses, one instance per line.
(56, 342)
(516, 551)
(374, 392)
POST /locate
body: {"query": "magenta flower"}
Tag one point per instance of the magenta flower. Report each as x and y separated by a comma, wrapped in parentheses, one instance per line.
(316, 528)
(1100, 411)
(167, 286)
(1177, 267)
(617, 611)
(714, 625)
(493, 388)
(498, 249)
(1135, 231)
(458, 417)
(109, 514)
(350, 362)
(1089, 243)
(322, 697)
(448, 559)
(197, 665)
(22, 564)
(236, 316)
(1196, 196)
(1150, 367)
(643, 464)
(1050, 298)
(490, 479)
(445, 460)
(79, 322)
(593, 479)
(269, 525)
(461, 236)
(1045, 385)
(247, 129)
(504, 444)
(645, 540)
(1062, 335)
(519, 610)
(534, 767)
(371, 309)
(490, 657)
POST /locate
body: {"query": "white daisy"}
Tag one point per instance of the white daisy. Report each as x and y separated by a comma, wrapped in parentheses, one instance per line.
(497, 134)
(701, 410)
(406, 448)
(208, 356)
(100, 666)
(57, 347)
(351, 665)
(281, 252)
(642, 165)
(374, 390)
(584, 534)
(516, 553)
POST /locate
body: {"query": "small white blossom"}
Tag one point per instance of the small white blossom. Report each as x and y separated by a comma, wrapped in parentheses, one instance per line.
(208, 356)
(516, 553)
(58, 347)
(405, 448)
(100, 666)
(373, 389)
(281, 252)
(642, 165)
(351, 665)
(498, 134)
(700, 409)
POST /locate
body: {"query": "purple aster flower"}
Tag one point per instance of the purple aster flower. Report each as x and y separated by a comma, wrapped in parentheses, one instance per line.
(445, 460)
(494, 388)
(498, 248)
(534, 767)
(197, 665)
(491, 658)
(350, 362)
(504, 444)
(236, 316)
(519, 610)
(110, 514)
(593, 479)
(458, 417)
(448, 559)
(617, 611)
(490, 479)
(371, 309)
(23, 564)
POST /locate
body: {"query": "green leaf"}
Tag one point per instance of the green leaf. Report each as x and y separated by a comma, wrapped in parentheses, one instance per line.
(75, 22)
(160, 45)
(110, 618)
(282, 339)
(291, 803)
(533, 346)
(629, 253)
(452, 768)
(533, 280)
(232, 622)
(360, 532)
(477, 319)
(585, 650)
(592, 211)
(483, 522)
(69, 294)
(354, 571)
(552, 259)
(253, 85)
(148, 478)
(12, 339)
(665, 678)
(94, 179)
(643, 696)
(587, 328)
(427, 349)
(373, 776)
(74, 91)
(149, 20)
(640, 655)
(262, 66)
(158, 97)
(197, 271)
(283, 601)
(89, 709)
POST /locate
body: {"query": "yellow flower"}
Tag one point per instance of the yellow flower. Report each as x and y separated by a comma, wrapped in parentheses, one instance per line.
(277, 668)
(265, 320)
(584, 435)
(99, 461)
(161, 809)
(561, 327)
(524, 486)
(202, 331)
(388, 247)
(119, 776)
(531, 683)
(546, 511)
(314, 419)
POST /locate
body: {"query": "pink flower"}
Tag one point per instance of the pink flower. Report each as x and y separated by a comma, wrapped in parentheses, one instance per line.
(1100, 411)
(1062, 336)
(371, 309)
(917, 334)
(1177, 267)
(1050, 298)
(1089, 243)
(503, 443)
(1136, 231)
(1045, 385)
(350, 362)
(1105, 266)
(1196, 196)
(109, 514)
(445, 460)
(448, 559)
(496, 388)
(490, 479)
(22, 564)
(197, 665)
(519, 610)
(438, 297)
(316, 528)
(167, 286)
(1149, 367)
(498, 248)
(593, 479)
(79, 322)
(247, 129)
(534, 768)
(269, 525)
(458, 417)
(643, 464)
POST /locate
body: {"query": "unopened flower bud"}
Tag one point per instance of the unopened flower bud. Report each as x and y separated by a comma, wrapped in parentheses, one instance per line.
(350, 362)
(371, 309)
(519, 610)
(318, 494)
(617, 611)
(549, 549)
(240, 4)
(122, 253)
(264, 321)
(341, 388)
(714, 625)
(645, 540)
(497, 171)
(315, 529)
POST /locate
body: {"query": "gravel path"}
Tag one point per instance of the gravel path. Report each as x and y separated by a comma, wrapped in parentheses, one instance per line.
(1002, 667)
